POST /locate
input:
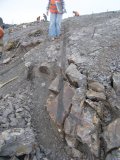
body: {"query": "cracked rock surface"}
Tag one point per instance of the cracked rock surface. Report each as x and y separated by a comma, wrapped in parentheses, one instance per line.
(61, 98)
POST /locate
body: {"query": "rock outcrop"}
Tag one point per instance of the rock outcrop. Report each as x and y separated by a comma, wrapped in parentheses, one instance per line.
(65, 101)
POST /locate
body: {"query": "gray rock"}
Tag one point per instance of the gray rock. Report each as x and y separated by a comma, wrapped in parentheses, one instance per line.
(14, 158)
(75, 77)
(54, 86)
(5, 125)
(116, 82)
(95, 95)
(71, 141)
(13, 122)
(112, 135)
(96, 86)
(77, 104)
(29, 70)
(38, 153)
(113, 155)
(45, 158)
(78, 60)
(35, 158)
(76, 153)
(4, 120)
(81, 122)
(8, 111)
(19, 110)
(93, 41)
(7, 60)
(16, 141)
(97, 106)
(27, 108)
(114, 101)
(45, 68)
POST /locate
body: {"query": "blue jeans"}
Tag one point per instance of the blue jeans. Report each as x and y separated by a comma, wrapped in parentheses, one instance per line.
(55, 24)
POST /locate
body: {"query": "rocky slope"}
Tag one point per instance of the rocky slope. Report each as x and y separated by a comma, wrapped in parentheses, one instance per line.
(60, 100)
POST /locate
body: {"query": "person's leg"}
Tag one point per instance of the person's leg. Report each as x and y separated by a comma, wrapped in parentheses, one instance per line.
(58, 24)
(52, 26)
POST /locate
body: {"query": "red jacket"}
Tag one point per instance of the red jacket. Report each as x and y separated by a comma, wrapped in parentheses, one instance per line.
(1, 32)
(53, 8)
(52, 5)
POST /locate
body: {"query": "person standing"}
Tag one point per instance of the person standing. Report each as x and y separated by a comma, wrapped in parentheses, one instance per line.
(56, 8)
(76, 13)
(1, 36)
(45, 17)
(38, 19)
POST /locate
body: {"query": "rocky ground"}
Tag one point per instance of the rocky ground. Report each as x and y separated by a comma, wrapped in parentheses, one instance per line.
(60, 100)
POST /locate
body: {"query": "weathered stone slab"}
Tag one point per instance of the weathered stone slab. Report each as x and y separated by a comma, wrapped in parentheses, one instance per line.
(113, 155)
(81, 122)
(112, 135)
(70, 125)
(7, 60)
(97, 106)
(75, 77)
(54, 87)
(95, 95)
(16, 141)
(59, 107)
(114, 101)
(71, 141)
(116, 82)
(82, 125)
(10, 45)
(77, 103)
(86, 134)
(77, 59)
(96, 86)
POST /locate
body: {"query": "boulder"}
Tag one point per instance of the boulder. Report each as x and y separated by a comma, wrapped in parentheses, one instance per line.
(96, 86)
(45, 68)
(7, 60)
(100, 96)
(116, 82)
(17, 141)
(54, 86)
(112, 135)
(113, 155)
(75, 77)
(114, 101)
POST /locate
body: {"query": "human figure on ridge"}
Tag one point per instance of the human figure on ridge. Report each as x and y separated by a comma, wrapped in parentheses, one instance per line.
(45, 17)
(56, 8)
(38, 19)
(76, 13)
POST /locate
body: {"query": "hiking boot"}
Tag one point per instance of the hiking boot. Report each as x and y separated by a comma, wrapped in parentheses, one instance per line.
(0, 55)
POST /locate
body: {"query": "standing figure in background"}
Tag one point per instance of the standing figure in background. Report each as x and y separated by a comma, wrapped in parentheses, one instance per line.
(1, 21)
(76, 13)
(56, 8)
(1, 36)
(38, 19)
(45, 17)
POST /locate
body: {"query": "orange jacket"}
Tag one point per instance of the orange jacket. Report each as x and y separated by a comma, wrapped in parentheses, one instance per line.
(53, 8)
(1, 32)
